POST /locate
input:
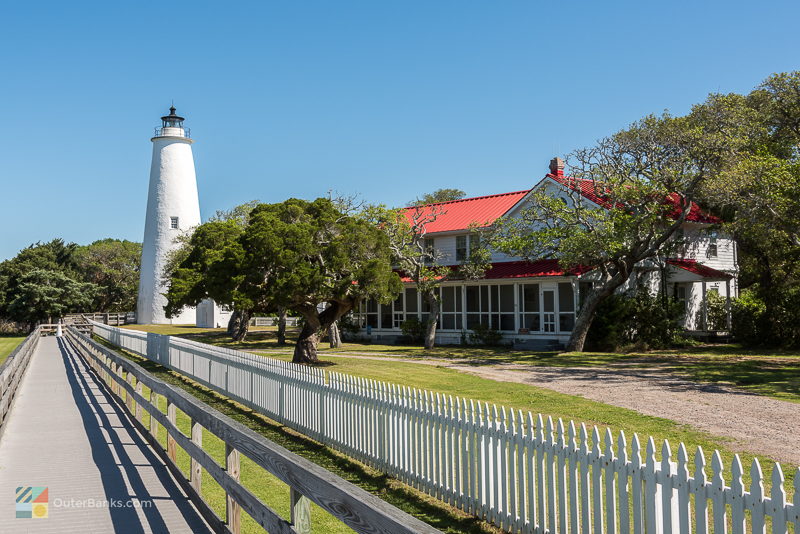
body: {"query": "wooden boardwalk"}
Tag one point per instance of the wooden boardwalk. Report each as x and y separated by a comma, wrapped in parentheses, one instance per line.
(67, 434)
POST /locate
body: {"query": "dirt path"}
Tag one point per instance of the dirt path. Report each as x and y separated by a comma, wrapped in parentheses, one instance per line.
(762, 425)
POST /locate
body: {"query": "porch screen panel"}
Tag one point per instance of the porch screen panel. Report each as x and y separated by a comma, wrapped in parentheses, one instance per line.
(566, 307)
(399, 315)
(386, 315)
(477, 306)
(505, 295)
(412, 308)
(371, 315)
(529, 306)
(451, 308)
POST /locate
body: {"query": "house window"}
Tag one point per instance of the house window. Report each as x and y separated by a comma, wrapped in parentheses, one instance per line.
(429, 247)
(712, 245)
(461, 248)
(681, 295)
(466, 245)
(173, 223)
(492, 306)
(451, 308)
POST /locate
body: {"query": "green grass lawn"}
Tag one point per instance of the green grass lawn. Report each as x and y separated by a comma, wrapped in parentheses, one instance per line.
(8, 344)
(772, 373)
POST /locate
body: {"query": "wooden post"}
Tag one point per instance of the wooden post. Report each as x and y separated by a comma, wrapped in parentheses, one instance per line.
(119, 386)
(171, 417)
(196, 473)
(232, 509)
(301, 512)
(128, 396)
(139, 390)
(153, 420)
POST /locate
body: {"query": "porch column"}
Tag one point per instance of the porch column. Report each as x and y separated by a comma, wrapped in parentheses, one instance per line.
(704, 304)
(516, 308)
(728, 318)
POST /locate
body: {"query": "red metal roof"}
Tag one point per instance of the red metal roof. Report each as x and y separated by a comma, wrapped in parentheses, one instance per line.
(461, 214)
(484, 211)
(522, 269)
(693, 266)
(593, 191)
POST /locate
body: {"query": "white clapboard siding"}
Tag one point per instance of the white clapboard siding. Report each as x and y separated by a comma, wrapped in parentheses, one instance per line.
(517, 470)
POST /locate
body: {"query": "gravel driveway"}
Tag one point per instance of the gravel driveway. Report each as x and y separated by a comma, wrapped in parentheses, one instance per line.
(761, 425)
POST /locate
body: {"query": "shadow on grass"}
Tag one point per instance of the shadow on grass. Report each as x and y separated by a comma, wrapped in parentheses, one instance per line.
(390, 490)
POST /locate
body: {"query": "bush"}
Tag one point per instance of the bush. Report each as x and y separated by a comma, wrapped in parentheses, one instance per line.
(757, 324)
(636, 323)
(413, 329)
(716, 312)
(483, 335)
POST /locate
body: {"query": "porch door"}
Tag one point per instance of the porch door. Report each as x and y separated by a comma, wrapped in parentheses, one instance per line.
(548, 310)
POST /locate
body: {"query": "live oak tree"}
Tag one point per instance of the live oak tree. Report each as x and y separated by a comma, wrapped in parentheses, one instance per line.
(112, 265)
(43, 294)
(206, 265)
(209, 267)
(407, 231)
(632, 173)
(315, 260)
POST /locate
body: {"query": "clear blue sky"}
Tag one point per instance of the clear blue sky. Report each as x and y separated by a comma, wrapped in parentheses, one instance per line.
(385, 99)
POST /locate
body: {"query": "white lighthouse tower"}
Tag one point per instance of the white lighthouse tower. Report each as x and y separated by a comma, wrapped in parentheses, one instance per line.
(172, 208)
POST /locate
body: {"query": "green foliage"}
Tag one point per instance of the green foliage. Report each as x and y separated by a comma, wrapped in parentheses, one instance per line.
(716, 311)
(43, 294)
(413, 329)
(757, 195)
(113, 266)
(440, 195)
(756, 324)
(295, 254)
(481, 334)
(642, 320)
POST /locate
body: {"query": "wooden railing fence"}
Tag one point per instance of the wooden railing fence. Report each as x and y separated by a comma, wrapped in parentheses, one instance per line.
(521, 472)
(360, 510)
(11, 372)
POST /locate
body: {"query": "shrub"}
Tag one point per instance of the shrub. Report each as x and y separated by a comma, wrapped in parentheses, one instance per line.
(757, 324)
(413, 329)
(483, 335)
(636, 323)
(715, 310)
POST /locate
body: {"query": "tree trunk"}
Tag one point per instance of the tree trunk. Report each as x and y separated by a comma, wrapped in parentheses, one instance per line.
(430, 326)
(242, 327)
(233, 322)
(583, 321)
(334, 337)
(305, 351)
(281, 326)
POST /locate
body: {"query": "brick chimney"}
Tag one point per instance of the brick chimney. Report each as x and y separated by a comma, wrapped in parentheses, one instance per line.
(557, 166)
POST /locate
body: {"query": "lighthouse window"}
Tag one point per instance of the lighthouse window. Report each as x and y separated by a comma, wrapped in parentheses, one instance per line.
(173, 223)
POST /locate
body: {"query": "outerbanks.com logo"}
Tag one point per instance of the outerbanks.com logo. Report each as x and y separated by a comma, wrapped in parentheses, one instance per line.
(32, 503)
(101, 503)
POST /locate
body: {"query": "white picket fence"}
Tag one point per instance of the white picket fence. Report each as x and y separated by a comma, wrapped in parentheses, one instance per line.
(519, 472)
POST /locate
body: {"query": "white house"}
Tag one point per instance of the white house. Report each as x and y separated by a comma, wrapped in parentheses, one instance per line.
(535, 303)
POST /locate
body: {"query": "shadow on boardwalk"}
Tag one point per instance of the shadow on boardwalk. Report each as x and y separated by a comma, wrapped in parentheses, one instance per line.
(114, 441)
